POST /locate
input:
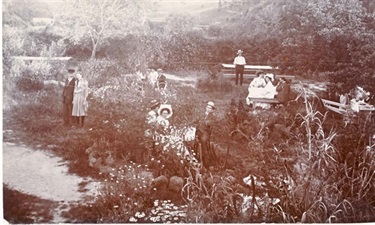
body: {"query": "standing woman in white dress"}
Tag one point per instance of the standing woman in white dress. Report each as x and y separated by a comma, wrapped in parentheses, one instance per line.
(80, 104)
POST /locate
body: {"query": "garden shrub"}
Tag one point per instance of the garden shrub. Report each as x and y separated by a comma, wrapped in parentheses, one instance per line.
(26, 84)
(214, 85)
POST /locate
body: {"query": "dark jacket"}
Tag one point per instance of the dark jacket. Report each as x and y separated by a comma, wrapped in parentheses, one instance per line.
(68, 92)
(205, 126)
(283, 92)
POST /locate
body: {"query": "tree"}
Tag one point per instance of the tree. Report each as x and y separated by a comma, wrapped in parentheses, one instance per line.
(99, 20)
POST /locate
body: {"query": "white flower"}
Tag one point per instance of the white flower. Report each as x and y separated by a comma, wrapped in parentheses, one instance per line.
(132, 219)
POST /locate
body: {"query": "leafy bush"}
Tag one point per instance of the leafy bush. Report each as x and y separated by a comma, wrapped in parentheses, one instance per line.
(214, 85)
(26, 84)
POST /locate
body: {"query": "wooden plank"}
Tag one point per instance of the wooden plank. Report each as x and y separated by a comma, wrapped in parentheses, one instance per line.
(233, 75)
(336, 110)
(328, 102)
(366, 107)
(253, 67)
(40, 58)
(233, 70)
(264, 100)
(335, 106)
(342, 109)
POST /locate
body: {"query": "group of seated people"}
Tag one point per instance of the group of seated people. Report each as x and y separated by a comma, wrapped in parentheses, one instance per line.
(266, 86)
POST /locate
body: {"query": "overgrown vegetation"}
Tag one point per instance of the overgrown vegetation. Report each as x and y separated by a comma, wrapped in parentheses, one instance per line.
(300, 164)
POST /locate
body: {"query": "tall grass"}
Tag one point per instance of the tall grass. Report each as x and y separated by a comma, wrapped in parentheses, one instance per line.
(325, 188)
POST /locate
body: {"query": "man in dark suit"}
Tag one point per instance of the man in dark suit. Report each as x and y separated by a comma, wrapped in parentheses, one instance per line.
(68, 94)
(203, 135)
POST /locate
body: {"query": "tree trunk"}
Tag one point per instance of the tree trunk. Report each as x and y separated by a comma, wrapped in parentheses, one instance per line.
(93, 52)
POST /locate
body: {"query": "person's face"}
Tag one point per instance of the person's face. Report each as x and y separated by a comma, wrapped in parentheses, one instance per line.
(71, 73)
(209, 109)
(79, 76)
(164, 114)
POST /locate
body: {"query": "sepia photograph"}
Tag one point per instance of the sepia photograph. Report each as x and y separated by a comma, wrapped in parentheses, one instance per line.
(188, 111)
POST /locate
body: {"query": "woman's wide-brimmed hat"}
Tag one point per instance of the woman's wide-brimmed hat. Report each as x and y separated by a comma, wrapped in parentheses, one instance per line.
(269, 75)
(211, 104)
(165, 106)
(239, 51)
(259, 72)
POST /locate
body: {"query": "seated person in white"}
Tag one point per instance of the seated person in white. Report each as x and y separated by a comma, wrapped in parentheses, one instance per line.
(153, 77)
(256, 87)
(269, 89)
(354, 105)
(165, 112)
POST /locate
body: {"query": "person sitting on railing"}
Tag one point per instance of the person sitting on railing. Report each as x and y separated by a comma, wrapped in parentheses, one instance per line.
(343, 101)
(354, 104)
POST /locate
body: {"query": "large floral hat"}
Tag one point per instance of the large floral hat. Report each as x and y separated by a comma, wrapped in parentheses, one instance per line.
(166, 107)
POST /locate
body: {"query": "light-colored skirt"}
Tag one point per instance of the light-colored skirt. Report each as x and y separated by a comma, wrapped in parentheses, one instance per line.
(80, 105)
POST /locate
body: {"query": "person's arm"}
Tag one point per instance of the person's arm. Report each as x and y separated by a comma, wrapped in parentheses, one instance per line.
(86, 89)
(279, 87)
(235, 61)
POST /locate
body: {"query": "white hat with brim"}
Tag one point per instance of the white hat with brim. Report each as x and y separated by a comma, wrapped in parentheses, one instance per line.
(211, 104)
(154, 104)
(165, 106)
(239, 52)
(269, 75)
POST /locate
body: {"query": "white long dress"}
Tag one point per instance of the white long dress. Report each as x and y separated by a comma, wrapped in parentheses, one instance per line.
(80, 104)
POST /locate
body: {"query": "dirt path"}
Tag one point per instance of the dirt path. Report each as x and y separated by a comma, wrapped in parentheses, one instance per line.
(44, 175)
